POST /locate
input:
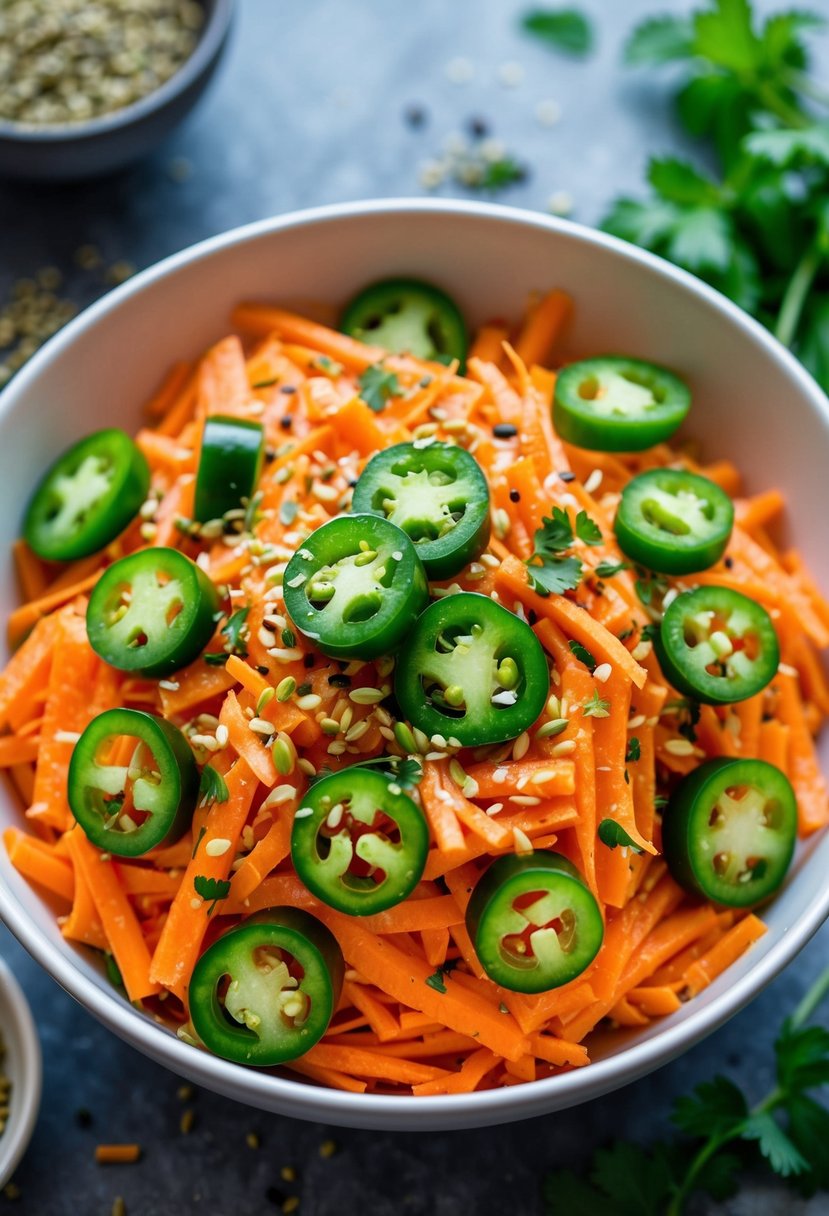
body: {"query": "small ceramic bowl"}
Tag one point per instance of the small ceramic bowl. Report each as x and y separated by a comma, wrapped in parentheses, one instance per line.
(753, 403)
(22, 1065)
(90, 149)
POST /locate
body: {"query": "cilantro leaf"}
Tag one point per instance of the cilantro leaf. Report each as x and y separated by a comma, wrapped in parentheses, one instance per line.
(564, 29)
(781, 1154)
(582, 654)
(377, 385)
(596, 707)
(406, 771)
(678, 182)
(212, 787)
(436, 981)
(211, 889)
(555, 576)
(718, 1177)
(791, 147)
(587, 530)
(613, 835)
(634, 750)
(199, 839)
(495, 175)
(555, 534)
(715, 1108)
(809, 1132)
(235, 630)
(660, 40)
(640, 1183)
(701, 239)
(802, 1057)
(607, 569)
(642, 223)
(564, 1192)
(724, 35)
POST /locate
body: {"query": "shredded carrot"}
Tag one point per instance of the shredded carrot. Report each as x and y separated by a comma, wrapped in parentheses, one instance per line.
(418, 1014)
(117, 1154)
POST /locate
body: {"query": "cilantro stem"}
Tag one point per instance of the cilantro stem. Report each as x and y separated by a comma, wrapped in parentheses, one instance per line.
(788, 114)
(801, 83)
(797, 293)
(814, 997)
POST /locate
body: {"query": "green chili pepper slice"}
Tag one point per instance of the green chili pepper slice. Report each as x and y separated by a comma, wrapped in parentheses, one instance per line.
(355, 587)
(673, 521)
(407, 316)
(437, 494)
(128, 809)
(534, 922)
(230, 465)
(729, 831)
(717, 645)
(616, 404)
(358, 842)
(264, 992)
(151, 612)
(472, 671)
(87, 497)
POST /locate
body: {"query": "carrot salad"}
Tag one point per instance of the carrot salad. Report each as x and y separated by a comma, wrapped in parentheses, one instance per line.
(345, 774)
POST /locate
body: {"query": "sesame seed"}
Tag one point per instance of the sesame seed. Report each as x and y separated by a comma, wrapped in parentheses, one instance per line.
(328, 1148)
(560, 203)
(217, 847)
(66, 736)
(367, 696)
(642, 650)
(311, 700)
(565, 748)
(261, 726)
(222, 735)
(603, 673)
(679, 747)
(524, 799)
(303, 812)
(521, 746)
(459, 70)
(548, 112)
(593, 481)
(521, 841)
(635, 721)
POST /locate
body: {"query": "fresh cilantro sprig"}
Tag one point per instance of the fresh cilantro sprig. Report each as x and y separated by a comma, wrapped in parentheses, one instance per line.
(613, 835)
(563, 29)
(550, 571)
(596, 706)
(212, 786)
(758, 230)
(717, 1125)
(235, 631)
(211, 890)
(377, 385)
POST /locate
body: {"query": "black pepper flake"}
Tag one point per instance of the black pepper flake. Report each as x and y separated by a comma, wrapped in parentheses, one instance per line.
(270, 454)
(308, 660)
(287, 422)
(339, 681)
(532, 616)
(504, 430)
(478, 127)
(288, 388)
(352, 482)
(728, 562)
(514, 496)
(566, 475)
(275, 1196)
(263, 671)
(83, 1117)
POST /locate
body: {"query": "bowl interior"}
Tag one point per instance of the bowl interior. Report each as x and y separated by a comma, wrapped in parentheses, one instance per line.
(751, 403)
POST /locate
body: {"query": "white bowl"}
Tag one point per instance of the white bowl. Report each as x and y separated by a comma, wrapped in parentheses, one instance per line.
(752, 402)
(22, 1065)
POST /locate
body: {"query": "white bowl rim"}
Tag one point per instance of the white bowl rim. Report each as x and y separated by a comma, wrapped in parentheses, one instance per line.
(300, 1098)
(21, 1041)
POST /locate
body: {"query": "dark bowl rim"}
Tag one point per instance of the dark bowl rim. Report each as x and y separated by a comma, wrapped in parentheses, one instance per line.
(209, 45)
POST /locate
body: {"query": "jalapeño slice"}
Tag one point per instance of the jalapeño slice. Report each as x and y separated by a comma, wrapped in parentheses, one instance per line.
(407, 316)
(437, 494)
(729, 831)
(534, 922)
(358, 842)
(616, 404)
(355, 587)
(130, 803)
(473, 671)
(673, 521)
(717, 645)
(87, 497)
(265, 991)
(151, 612)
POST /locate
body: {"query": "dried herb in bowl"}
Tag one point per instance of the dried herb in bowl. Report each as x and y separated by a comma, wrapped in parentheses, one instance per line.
(68, 61)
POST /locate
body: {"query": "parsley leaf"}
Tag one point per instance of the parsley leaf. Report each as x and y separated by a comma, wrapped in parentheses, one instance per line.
(587, 530)
(582, 654)
(634, 750)
(714, 1108)
(790, 148)
(660, 40)
(212, 787)
(613, 834)
(596, 707)
(802, 1057)
(783, 1156)
(678, 182)
(556, 576)
(436, 981)
(565, 29)
(377, 385)
(211, 889)
(496, 174)
(555, 534)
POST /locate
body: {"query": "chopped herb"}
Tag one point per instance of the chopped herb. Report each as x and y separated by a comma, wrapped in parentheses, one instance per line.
(377, 385)
(612, 835)
(215, 658)
(556, 574)
(211, 890)
(555, 534)
(329, 366)
(634, 750)
(436, 981)
(235, 630)
(500, 173)
(212, 787)
(607, 569)
(405, 770)
(339, 681)
(199, 839)
(596, 707)
(563, 29)
(266, 383)
(304, 689)
(113, 971)
(582, 654)
(288, 638)
(288, 511)
(587, 530)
